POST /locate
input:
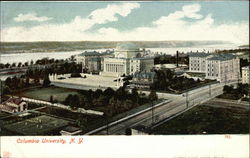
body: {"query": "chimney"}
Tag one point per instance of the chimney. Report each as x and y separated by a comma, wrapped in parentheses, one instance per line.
(177, 58)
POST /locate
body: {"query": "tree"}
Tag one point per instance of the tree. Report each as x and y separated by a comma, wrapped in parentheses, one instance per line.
(101, 101)
(27, 81)
(51, 99)
(8, 81)
(68, 99)
(75, 102)
(1, 66)
(19, 64)
(7, 90)
(135, 95)
(109, 92)
(121, 93)
(128, 104)
(13, 65)
(7, 65)
(227, 89)
(46, 81)
(152, 96)
(26, 64)
(97, 93)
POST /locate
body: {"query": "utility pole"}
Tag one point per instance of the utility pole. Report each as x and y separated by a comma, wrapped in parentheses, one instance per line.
(152, 114)
(210, 90)
(107, 124)
(1, 90)
(187, 99)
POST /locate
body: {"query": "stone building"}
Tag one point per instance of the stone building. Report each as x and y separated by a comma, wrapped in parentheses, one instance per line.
(197, 62)
(245, 74)
(128, 59)
(92, 60)
(220, 67)
(223, 68)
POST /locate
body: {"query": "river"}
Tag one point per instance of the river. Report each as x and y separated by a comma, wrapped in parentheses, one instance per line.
(27, 57)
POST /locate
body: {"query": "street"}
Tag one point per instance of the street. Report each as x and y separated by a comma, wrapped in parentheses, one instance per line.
(177, 105)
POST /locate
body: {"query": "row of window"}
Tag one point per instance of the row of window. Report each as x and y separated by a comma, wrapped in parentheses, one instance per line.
(195, 69)
(212, 74)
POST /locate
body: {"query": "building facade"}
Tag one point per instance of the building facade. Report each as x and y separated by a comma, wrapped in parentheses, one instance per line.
(92, 61)
(220, 67)
(128, 59)
(13, 105)
(143, 80)
(223, 68)
(197, 62)
(94, 64)
(245, 74)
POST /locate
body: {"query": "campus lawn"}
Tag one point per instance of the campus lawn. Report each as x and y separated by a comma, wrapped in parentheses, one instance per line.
(42, 93)
(206, 119)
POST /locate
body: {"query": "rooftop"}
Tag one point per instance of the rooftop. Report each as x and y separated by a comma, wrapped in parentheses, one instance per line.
(199, 54)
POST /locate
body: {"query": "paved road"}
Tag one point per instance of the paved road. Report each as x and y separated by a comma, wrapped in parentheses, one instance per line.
(178, 105)
(226, 103)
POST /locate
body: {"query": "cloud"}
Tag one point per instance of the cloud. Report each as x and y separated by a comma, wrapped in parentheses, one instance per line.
(173, 26)
(109, 13)
(190, 11)
(31, 17)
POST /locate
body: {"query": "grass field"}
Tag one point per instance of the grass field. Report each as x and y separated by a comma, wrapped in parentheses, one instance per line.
(58, 94)
(209, 120)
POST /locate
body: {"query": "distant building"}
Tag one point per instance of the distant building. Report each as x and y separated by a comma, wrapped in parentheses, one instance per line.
(13, 105)
(128, 59)
(143, 80)
(223, 68)
(197, 62)
(172, 67)
(245, 74)
(84, 57)
(220, 67)
(94, 64)
(92, 60)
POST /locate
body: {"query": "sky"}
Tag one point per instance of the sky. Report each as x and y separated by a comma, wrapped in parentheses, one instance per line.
(125, 21)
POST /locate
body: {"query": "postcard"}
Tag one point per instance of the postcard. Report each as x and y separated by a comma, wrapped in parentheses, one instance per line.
(124, 79)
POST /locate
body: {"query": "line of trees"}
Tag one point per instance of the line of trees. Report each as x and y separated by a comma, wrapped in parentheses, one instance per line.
(229, 92)
(167, 81)
(167, 59)
(114, 101)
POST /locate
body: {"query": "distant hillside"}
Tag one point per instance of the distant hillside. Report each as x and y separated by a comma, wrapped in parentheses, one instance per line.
(244, 46)
(24, 47)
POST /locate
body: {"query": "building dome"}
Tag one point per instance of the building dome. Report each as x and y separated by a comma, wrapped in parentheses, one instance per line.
(127, 46)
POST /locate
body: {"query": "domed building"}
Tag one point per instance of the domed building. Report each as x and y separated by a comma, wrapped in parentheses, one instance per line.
(127, 50)
(127, 60)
